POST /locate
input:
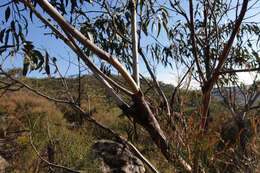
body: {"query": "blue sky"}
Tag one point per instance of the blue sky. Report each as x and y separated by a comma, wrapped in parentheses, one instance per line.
(58, 49)
(63, 54)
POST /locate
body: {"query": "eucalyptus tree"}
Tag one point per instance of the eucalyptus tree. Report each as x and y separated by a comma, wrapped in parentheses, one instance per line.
(103, 35)
(209, 34)
(220, 46)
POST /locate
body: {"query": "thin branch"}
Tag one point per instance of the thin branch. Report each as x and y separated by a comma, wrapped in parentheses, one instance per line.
(68, 28)
(179, 84)
(226, 50)
(7, 86)
(158, 88)
(255, 94)
(65, 85)
(134, 43)
(227, 102)
(149, 84)
(91, 119)
(238, 71)
(254, 107)
(34, 90)
(180, 11)
(216, 29)
(46, 161)
(6, 4)
(252, 99)
(194, 46)
(114, 24)
(77, 50)
(92, 66)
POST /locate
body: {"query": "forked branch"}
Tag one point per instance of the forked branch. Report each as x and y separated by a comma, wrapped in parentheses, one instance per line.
(194, 46)
(68, 28)
(226, 50)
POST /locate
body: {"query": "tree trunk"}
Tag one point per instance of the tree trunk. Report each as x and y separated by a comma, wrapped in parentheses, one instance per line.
(206, 97)
(143, 115)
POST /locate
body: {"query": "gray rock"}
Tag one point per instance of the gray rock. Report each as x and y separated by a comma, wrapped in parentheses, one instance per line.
(116, 158)
(3, 165)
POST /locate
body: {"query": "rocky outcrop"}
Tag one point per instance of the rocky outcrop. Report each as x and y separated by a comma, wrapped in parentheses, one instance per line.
(3, 165)
(116, 158)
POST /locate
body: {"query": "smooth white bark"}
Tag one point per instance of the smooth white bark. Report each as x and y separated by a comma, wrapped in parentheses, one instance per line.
(100, 76)
(134, 44)
(67, 27)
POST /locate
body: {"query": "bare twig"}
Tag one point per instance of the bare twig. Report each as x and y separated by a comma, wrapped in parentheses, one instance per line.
(46, 161)
(180, 83)
(64, 83)
(34, 90)
(226, 50)
(6, 4)
(194, 46)
(240, 70)
(158, 88)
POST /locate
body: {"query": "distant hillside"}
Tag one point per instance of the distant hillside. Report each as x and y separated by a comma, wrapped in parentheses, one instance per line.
(238, 93)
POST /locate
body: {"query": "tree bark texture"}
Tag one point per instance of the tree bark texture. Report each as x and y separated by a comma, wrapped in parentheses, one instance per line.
(206, 92)
(142, 114)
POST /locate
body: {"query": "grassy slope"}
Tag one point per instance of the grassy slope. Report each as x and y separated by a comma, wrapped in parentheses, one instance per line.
(59, 127)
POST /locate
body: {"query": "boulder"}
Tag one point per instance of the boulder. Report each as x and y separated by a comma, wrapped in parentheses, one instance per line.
(3, 165)
(116, 158)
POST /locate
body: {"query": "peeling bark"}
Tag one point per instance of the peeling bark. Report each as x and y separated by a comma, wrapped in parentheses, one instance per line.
(143, 115)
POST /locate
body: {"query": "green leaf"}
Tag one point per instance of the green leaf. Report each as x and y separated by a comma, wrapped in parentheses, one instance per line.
(159, 29)
(47, 69)
(255, 54)
(47, 66)
(74, 4)
(28, 45)
(15, 34)
(54, 62)
(2, 35)
(25, 24)
(25, 65)
(40, 65)
(7, 36)
(165, 27)
(7, 13)
(164, 16)
(145, 25)
(31, 16)
(13, 26)
(38, 56)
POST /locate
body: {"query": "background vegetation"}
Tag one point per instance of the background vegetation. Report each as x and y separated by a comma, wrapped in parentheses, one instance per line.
(62, 135)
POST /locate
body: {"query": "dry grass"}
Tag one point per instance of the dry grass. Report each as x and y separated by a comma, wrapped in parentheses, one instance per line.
(62, 128)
